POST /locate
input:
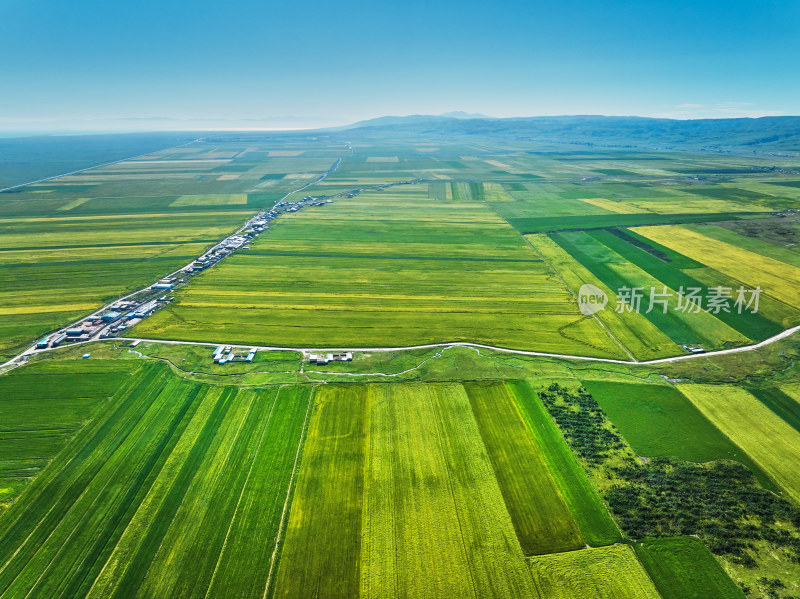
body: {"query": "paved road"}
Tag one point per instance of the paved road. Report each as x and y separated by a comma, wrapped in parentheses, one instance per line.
(22, 357)
(520, 352)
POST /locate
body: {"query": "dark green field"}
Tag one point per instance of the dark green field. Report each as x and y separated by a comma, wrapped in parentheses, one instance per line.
(659, 421)
(592, 515)
(167, 466)
(43, 408)
(779, 402)
(683, 568)
(601, 221)
(437, 471)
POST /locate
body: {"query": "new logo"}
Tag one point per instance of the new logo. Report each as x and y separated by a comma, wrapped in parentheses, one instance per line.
(591, 299)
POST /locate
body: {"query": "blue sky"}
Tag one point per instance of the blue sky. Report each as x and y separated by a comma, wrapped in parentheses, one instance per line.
(343, 61)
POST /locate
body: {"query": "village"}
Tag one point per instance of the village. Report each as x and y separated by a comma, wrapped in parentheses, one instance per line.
(251, 229)
(114, 319)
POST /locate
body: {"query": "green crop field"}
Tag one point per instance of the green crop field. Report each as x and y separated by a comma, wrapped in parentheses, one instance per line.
(146, 470)
(659, 421)
(683, 568)
(75, 242)
(772, 443)
(596, 525)
(604, 573)
(780, 402)
(617, 272)
(161, 493)
(777, 279)
(752, 244)
(634, 332)
(58, 269)
(403, 482)
(43, 407)
(601, 221)
(421, 442)
(388, 268)
(753, 326)
(539, 512)
(438, 260)
(327, 505)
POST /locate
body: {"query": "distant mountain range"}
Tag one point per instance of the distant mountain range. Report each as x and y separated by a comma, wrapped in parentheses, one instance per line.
(780, 134)
(765, 135)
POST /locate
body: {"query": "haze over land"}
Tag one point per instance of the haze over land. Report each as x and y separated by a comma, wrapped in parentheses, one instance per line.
(142, 301)
(379, 300)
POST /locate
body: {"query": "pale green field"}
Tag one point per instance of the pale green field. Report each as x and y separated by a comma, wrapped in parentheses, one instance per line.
(389, 268)
(637, 334)
(772, 443)
(424, 443)
(603, 573)
(777, 279)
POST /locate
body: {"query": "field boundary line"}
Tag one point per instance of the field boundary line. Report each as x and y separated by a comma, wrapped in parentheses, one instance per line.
(272, 559)
(244, 486)
(575, 296)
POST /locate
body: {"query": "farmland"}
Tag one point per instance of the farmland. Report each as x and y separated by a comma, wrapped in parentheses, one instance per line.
(458, 471)
(58, 269)
(415, 489)
(605, 573)
(662, 497)
(616, 272)
(43, 408)
(781, 402)
(682, 567)
(73, 243)
(423, 478)
(386, 267)
(167, 460)
(534, 501)
(772, 443)
(659, 421)
(778, 279)
(431, 259)
(438, 256)
(416, 433)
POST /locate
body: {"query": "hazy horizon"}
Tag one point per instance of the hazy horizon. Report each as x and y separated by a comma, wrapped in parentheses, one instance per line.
(167, 124)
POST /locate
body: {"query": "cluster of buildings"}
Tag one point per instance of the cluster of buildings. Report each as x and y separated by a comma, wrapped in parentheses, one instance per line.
(225, 353)
(287, 206)
(256, 225)
(218, 252)
(325, 358)
(117, 318)
(127, 313)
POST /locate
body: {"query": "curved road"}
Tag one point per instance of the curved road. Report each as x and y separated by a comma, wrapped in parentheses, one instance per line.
(521, 352)
(22, 357)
